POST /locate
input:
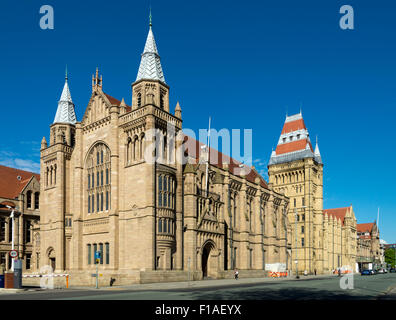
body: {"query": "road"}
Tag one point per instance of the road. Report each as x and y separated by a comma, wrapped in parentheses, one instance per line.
(381, 286)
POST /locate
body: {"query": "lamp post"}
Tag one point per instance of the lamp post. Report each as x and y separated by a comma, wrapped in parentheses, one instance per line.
(13, 232)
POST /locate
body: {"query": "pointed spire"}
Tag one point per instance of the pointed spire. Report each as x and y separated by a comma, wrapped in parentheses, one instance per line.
(65, 112)
(44, 144)
(317, 152)
(123, 104)
(150, 65)
(178, 111)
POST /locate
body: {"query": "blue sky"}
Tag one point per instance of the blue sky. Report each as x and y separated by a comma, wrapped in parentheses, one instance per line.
(245, 64)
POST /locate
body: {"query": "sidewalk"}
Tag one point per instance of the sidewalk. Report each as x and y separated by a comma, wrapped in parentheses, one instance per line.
(203, 283)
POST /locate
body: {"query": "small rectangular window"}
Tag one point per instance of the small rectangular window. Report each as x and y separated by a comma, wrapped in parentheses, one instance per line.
(101, 252)
(89, 253)
(28, 261)
(107, 253)
(107, 200)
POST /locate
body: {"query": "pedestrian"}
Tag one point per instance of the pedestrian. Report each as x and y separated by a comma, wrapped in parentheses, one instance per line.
(339, 272)
(236, 273)
(315, 272)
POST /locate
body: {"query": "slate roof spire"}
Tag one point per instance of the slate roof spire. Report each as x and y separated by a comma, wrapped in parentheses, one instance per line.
(150, 65)
(65, 112)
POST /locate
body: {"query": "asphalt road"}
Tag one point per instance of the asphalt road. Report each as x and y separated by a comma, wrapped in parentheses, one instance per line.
(381, 286)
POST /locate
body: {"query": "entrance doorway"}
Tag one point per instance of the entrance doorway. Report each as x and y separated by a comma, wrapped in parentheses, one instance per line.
(209, 260)
(205, 258)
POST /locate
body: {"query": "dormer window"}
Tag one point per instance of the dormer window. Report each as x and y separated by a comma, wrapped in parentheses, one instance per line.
(291, 138)
(284, 140)
(298, 136)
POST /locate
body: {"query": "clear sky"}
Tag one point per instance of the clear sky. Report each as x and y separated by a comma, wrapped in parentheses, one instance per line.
(244, 63)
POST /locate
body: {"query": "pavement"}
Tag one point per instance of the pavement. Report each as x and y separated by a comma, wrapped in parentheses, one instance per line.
(204, 283)
(321, 287)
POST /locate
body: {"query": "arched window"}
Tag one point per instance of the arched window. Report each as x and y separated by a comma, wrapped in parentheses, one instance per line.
(139, 99)
(98, 194)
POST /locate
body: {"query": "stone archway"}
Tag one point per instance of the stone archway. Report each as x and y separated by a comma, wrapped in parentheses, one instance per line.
(209, 260)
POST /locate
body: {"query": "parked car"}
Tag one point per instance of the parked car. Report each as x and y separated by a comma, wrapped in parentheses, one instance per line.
(366, 273)
(392, 270)
(373, 271)
(381, 271)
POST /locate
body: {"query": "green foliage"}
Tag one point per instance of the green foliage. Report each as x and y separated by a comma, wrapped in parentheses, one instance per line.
(390, 256)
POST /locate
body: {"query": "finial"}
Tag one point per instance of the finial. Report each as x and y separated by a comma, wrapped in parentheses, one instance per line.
(66, 73)
(151, 24)
(300, 107)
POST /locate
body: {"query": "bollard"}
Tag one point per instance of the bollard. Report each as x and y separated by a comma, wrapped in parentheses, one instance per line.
(67, 282)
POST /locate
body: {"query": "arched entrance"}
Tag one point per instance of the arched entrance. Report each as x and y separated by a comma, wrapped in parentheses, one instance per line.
(209, 260)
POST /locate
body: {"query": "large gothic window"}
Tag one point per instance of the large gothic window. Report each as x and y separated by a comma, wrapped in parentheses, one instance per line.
(98, 167)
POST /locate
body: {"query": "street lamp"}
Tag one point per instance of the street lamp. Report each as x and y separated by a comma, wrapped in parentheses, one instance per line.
(295, 222)
(13, 232)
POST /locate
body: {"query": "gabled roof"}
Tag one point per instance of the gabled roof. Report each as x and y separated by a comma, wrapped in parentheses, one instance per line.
(337, 213)
(10, 185)
(217, 158)
(365, 227)
(116, 102)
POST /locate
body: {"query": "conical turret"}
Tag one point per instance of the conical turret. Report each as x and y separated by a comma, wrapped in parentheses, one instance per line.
(65, 112)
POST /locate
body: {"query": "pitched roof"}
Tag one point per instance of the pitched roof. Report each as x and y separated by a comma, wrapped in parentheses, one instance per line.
(364, 227)
(10, 185)
(217, 159)
(338, 213)
(116, 102)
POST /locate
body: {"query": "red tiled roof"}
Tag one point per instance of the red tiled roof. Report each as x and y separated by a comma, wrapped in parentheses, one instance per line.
(10, 186)
(193, 149)
(292, 146)
(293, 126)
(364, 227)
(116, 102)
(338, 213)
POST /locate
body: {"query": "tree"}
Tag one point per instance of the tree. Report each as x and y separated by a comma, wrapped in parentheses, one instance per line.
(390, 256)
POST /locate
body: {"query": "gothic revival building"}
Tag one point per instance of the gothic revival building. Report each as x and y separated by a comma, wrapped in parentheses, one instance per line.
(20, 190)
(369, 250)
(151, 220)
(322, 240)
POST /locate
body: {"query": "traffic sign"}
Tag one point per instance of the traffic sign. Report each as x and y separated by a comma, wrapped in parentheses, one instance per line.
(14, 254)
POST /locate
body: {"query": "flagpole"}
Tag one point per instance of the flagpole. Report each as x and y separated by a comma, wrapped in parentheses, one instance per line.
(207, 161)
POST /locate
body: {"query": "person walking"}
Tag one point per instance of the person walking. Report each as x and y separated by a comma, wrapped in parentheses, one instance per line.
(236, 273)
